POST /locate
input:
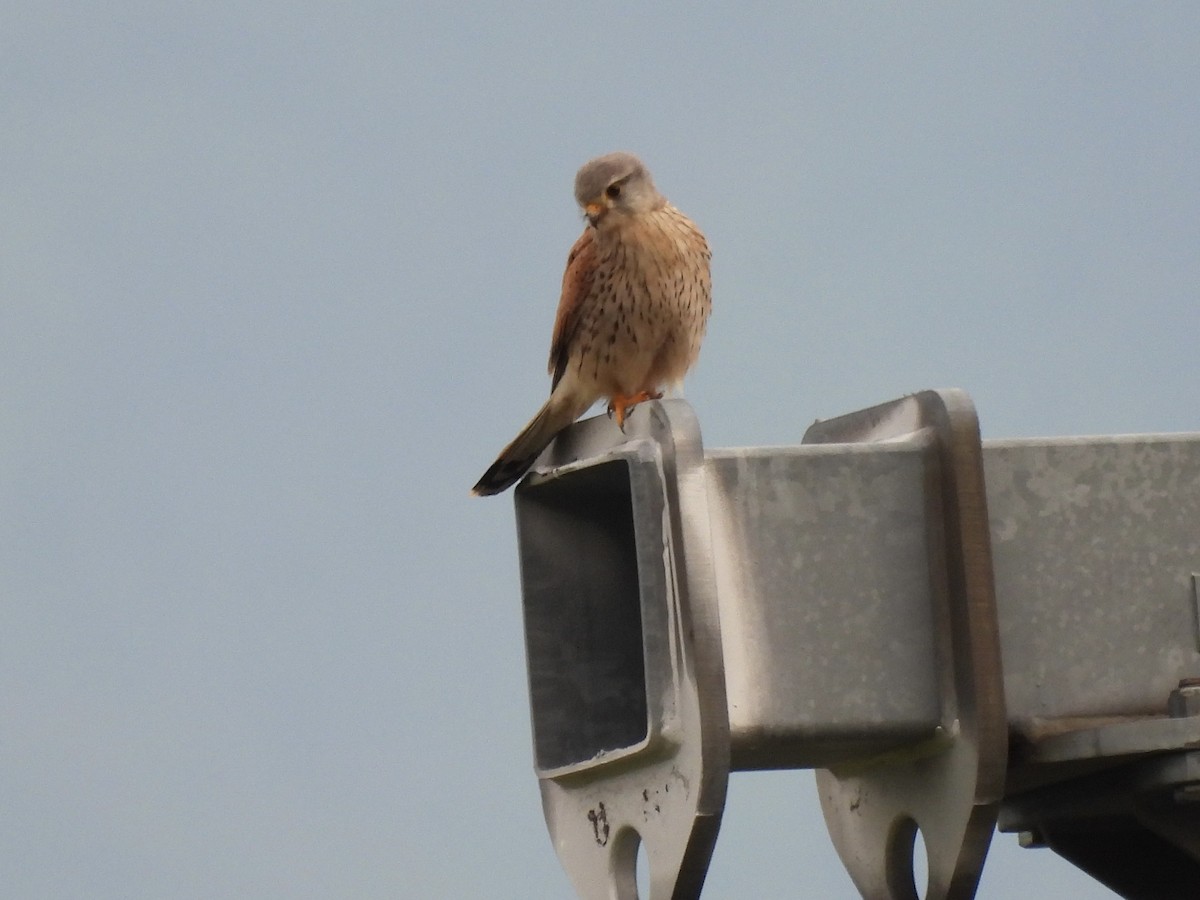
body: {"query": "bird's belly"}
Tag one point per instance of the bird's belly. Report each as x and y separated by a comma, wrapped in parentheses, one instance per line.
(627, 367)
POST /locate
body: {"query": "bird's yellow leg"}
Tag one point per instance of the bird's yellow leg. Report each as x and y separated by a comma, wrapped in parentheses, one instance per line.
(620, 405)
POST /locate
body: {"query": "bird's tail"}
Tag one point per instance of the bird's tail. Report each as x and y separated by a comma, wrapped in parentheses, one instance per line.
(515, 459)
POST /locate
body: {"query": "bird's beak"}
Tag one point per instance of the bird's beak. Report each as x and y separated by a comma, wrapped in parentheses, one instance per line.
(595, 211)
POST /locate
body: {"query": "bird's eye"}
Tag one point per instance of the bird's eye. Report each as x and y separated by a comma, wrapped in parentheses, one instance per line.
(613, 191)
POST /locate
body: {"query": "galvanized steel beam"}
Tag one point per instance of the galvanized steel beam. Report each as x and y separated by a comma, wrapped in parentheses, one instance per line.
(891, 602)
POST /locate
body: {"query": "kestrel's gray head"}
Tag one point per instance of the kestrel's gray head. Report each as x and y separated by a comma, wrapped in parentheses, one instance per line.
(616, 183)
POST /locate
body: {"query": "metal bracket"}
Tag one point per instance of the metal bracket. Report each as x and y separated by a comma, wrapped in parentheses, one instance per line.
(627, 685)
(950, 788)
(1134, 825)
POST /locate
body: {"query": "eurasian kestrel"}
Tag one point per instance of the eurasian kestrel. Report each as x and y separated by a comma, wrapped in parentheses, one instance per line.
(635, 301)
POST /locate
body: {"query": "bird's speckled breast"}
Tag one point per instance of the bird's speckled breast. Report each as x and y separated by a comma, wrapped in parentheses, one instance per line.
(649, 305)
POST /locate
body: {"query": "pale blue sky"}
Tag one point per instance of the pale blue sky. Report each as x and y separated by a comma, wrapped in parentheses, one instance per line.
(277, 281)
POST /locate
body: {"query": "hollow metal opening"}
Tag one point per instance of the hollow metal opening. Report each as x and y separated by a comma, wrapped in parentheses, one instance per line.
(583, 583)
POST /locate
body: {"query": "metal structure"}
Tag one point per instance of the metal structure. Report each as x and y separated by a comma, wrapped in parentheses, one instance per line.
(956, 634)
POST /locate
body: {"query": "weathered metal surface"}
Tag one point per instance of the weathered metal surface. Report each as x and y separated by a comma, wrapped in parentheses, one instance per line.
(822, 562)
(1095, 541)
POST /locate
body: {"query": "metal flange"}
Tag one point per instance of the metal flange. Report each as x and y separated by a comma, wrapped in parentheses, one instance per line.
(949, 787)
(627, 686)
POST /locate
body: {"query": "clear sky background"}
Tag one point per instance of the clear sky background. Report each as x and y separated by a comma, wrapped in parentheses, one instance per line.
(277, 281)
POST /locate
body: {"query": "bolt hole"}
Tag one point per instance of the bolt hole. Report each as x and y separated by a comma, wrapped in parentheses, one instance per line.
(907, 861)
(643, 872)
(630, 866)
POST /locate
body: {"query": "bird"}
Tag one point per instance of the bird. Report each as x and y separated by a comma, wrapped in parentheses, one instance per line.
(636, 298)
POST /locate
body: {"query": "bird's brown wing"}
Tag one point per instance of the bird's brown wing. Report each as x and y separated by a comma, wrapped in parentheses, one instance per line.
(576, 285)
